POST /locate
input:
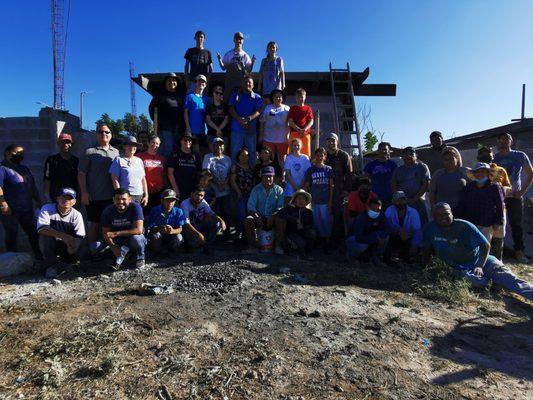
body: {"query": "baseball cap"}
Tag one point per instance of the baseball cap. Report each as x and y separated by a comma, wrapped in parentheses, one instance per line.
(200, 77)
(217, 140)
(332, 135)
(238, 35)
(409, 150)
(169, 194)
(435, 133)
(268, 171)
(64, 136)
(66, 191)
(398, 195)
(481, 165)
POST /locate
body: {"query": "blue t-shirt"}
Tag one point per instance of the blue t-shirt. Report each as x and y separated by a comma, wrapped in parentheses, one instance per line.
(456, 245)
(196, 106)
(245, 104)
(18, 185)
(410, 178)
(117, 221)
(318, 179)
(381, 175)
(175, 218)
(513, 163)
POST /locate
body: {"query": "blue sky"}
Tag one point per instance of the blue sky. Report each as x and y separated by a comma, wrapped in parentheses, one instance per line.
(459, 65)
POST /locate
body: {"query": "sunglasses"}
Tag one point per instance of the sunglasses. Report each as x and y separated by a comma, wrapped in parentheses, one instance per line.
(219, 93)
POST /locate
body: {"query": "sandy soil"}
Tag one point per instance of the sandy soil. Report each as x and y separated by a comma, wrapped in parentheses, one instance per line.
(238, 328)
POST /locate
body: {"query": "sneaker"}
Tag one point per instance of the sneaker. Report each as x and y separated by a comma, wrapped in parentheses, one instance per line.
(521, 257)
(140, 264)
(279, 250)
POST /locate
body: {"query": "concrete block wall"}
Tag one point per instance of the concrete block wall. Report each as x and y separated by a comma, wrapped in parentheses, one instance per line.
(38, 137)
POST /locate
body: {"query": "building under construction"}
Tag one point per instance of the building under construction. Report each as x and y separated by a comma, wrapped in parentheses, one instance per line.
(331, 94)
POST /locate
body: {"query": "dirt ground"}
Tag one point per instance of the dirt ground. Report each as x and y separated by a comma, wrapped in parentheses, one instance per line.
(261, 327)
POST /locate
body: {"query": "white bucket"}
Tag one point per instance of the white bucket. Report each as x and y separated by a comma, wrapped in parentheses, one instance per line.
(266, 241)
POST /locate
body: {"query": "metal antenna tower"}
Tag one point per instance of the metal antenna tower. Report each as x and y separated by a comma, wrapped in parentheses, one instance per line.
(59, 40)
(132, 90)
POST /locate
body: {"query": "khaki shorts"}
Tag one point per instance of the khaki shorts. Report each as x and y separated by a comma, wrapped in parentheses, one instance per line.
(494, 231)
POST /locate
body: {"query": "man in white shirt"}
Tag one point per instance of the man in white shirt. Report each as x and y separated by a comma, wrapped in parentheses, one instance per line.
(61, 230)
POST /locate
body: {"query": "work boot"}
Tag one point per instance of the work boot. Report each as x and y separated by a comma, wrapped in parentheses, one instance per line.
(496, 248)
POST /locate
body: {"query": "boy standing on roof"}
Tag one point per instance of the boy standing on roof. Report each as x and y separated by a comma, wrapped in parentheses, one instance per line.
(301, 120)
(198, 61)
(237, 64)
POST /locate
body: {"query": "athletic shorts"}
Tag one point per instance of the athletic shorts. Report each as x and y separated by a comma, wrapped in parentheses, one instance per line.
(95, 208)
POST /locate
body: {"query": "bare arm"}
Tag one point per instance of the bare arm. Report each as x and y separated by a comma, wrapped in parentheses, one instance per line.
(423, 189)
(289, 180)
(529, 179)
(144, 200)
(46, 190)
(114, 181)
(186, 118)
(220, 62)
(82, 182)
(172, 180)
(4, 207)
(109, 236)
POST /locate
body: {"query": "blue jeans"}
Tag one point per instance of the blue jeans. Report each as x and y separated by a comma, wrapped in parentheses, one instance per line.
(136, 244)
(158, 240)
(355, 249)
(501, 276)
(167, 143)
(240, 140)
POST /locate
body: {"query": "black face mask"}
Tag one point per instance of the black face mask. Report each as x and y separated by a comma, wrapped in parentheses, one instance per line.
(17, 158)
(486, 159)
(364, 193)
(401, 206)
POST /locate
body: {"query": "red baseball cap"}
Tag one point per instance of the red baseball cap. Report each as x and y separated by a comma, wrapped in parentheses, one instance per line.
(64, 136)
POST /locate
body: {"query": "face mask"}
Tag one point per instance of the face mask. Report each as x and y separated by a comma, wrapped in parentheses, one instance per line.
(372, 214)
(401, 206)
(486, 159)
(482, 180)
(364, 193)
(17, 158)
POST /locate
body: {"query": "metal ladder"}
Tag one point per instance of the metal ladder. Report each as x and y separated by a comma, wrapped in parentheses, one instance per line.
(345, 114)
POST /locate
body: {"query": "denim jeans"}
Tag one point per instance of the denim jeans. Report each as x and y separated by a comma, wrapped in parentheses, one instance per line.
(240, 140)
(355, 249)
(167, 143)
(136, 244)
(501, 276)
(157, 240)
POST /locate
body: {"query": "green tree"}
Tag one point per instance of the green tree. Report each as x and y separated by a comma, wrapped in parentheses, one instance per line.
(146, 123)
(116, 126)
(370, 140)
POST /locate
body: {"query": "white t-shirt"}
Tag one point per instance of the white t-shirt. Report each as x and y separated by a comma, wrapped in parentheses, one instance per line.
(71, 224)
(220, 168)
(233, 57)
(274, 120)
(297, 167)
(195, 215)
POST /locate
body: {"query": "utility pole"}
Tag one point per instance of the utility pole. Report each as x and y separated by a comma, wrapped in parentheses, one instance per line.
(82, 93)
(132, 90)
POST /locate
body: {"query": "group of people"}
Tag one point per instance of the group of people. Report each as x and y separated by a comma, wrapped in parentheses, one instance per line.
(179, 188)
